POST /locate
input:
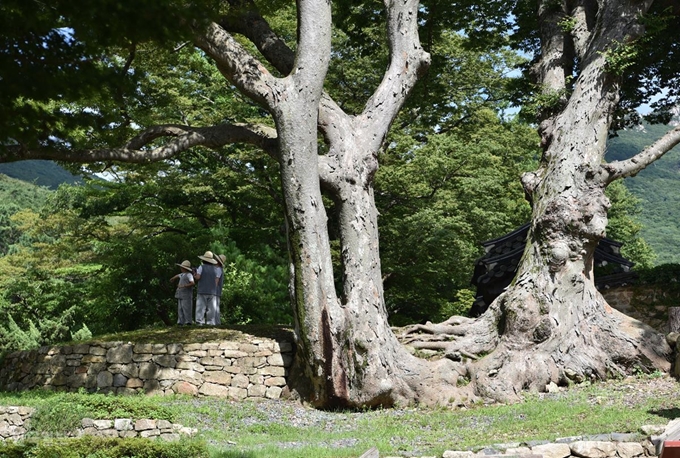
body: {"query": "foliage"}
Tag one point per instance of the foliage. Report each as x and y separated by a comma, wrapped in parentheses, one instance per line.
(625, 227)
(16, 195)
(657, 187)
(91, 447)
(664, 274)
(438, 202)
(62, 413)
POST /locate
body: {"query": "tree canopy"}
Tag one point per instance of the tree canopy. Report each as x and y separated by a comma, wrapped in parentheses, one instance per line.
(244, 122)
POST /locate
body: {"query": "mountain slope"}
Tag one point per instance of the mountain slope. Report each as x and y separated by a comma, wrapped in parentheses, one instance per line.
(41, 173)
(658, 188)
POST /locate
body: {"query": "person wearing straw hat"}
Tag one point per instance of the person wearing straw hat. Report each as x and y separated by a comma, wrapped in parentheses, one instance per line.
(221, 259)
(184, 293)
(208, 277)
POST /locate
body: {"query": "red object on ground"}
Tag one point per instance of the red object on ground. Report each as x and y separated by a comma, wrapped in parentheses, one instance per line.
(671, 449)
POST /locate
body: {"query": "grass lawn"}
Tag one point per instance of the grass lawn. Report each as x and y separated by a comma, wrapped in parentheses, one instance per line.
(287, 429)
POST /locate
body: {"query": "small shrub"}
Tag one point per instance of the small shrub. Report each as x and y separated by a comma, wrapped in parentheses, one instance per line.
(94, 447)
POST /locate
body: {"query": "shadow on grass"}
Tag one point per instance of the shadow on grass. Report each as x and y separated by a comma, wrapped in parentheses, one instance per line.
(671, 413)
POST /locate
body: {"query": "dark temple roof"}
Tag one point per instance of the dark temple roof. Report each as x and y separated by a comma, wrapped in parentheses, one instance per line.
(497, 267)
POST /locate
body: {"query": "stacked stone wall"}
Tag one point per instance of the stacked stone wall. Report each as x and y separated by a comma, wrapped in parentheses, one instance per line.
(14, 422)
(256, 368)
(647, 303)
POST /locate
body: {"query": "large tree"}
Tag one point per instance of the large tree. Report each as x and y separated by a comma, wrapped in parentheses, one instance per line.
(551, 325)
(346, 351)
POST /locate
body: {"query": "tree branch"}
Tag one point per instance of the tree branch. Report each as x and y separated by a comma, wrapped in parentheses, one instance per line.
(632, 166)
(239, 66)
(184, 137)
(245, 19)
(408, 61)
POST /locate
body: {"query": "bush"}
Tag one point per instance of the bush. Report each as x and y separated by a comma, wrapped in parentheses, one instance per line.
(94, 447)
(62, 413)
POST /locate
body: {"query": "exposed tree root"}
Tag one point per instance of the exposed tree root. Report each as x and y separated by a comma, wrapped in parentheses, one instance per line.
(513, 347)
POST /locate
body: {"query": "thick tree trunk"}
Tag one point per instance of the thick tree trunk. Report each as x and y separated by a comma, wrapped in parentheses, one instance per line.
(552, 325)
(349, 355)
(673, 319)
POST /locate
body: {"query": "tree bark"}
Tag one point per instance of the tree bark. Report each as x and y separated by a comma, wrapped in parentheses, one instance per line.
(552, 325)
(673, 319)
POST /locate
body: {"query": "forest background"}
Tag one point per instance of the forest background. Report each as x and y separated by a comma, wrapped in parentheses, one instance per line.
(95, 256)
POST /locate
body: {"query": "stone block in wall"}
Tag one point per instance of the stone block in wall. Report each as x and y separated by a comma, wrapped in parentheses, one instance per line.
(152, 387)
(233, 369)
(593, 449)
(127, 434)
(59, 379)
(188, 365)
(185, 388)
(142, 357)
(275, 360)
(164, 425)
(128, 370)
(192, 377)
(228, 345)
(278, 381)
(81, 349)
(252, 361)
(240, 381)
(221, 378)
(552, 450)
(150, 433)
(144, 425)
(134, 383)
(119, 355)
(166, 373)
(266, 353)
(165, 360)
(257, 391)
(234, 353)
(156, 349)
(93, 359)
(123, 424)
(238, 394)
(148, 371)
(248, 348)
(96, 368)
(104, 379)
(81, 381)
(214, 361)
(119, 380)
(174, 348)
(273, 392)
(212, 389)
(97, 351)
(274, 371)
(629, 449)
(102, 424)
(256, 379)
(192, 347)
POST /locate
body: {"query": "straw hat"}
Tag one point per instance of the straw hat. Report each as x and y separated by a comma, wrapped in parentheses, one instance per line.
(208, 257)
(185, 265)
(221, 259)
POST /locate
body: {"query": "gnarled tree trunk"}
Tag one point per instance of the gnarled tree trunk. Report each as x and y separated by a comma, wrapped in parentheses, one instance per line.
(551, 325)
